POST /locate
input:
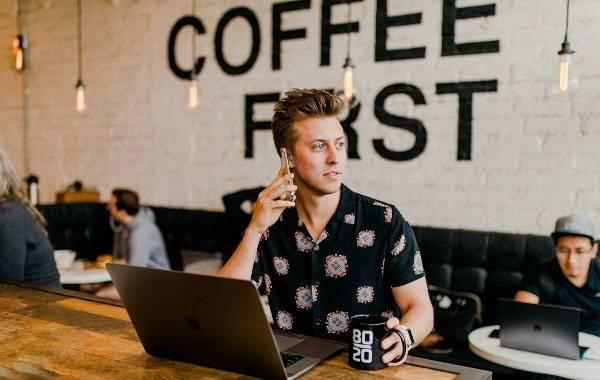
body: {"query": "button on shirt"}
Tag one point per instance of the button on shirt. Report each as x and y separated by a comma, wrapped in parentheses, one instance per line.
(316, 285)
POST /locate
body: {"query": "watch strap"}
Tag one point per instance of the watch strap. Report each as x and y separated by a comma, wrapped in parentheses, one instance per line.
(410, 340)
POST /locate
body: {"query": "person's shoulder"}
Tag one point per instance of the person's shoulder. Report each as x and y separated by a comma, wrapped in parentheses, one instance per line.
(595, 267)
(14, 215)
(144, 218)
(593, 281)
(12, 209)
(374, 208)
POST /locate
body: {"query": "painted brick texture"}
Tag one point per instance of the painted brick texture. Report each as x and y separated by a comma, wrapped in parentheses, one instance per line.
(534, 156)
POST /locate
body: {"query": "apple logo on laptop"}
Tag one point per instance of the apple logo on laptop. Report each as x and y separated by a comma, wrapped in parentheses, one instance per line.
(193, 323)
(537, 328)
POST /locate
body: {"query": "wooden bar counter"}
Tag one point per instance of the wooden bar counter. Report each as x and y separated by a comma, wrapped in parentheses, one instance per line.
(48, 333)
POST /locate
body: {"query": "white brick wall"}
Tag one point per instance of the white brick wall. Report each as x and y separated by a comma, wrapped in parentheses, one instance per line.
(534, 156)
(11, 84)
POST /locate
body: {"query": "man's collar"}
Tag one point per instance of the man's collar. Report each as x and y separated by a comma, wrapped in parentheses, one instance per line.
(593, 280)
(345, 206)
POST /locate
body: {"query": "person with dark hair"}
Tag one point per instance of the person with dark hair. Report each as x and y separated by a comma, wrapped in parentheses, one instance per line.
(572, 276)
(137, 239)
(26, 254)
(328, 253)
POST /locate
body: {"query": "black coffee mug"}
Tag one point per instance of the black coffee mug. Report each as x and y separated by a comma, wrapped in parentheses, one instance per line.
(366, 334)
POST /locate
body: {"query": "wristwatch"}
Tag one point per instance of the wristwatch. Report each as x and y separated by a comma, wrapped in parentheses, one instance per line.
(410, 340)
(406, 340)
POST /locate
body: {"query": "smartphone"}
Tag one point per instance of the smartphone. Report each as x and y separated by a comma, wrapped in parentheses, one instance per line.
(285, 163)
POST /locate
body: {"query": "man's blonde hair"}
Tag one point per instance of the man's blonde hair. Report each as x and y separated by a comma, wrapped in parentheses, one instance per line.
(299, 104)
(11, 188)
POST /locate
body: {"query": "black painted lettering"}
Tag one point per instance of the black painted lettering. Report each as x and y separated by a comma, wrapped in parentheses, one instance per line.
(328, 29)
(412, 125)
(279, 35)
(351, 135)
(382, 23)
(249, 16)
(252, 125)
(450, 14)
(465, 92)
(180, 24)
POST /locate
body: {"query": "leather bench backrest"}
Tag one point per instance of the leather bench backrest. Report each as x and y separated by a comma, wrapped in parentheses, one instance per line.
(84, 228)
(489, 264)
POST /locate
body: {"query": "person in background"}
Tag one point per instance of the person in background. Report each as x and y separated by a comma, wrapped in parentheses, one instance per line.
(26, 254)
(137, 239)
(572, 276)
(331, 253)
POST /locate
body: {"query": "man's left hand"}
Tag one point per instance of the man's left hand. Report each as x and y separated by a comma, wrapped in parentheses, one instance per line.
(394, 341)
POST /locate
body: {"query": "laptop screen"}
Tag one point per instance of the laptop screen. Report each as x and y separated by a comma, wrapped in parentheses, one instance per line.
(540, 328)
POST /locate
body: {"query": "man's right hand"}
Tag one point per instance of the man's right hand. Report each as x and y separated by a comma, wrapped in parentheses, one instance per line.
(269, 204)
(267, 210)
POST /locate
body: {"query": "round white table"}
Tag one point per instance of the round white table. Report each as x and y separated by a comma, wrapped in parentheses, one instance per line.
(489, 348)
(83, 276)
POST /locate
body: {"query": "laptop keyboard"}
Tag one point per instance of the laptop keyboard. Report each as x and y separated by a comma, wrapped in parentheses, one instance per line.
(289, 359)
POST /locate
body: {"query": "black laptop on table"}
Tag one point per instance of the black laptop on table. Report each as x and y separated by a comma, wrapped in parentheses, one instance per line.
(212, 321)
(540, 328)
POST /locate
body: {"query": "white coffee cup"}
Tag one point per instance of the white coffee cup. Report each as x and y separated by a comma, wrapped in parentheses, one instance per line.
(64, 258)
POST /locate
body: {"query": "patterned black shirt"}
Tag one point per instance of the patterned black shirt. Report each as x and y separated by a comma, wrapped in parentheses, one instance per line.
(316, 286)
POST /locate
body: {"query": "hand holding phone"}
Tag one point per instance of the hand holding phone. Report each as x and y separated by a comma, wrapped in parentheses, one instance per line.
(285, 163)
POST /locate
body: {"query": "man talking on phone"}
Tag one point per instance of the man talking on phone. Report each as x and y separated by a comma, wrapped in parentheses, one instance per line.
(332, 253)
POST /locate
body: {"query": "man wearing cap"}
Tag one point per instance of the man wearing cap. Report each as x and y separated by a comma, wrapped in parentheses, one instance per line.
(572, 277)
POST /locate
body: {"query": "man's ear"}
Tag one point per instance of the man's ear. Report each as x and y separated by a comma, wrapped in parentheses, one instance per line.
(595, 250)
(121, 214)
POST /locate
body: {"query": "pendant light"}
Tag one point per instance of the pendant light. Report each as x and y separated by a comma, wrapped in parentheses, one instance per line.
(79, 87)
(19, 43)
(18, 51)
(193, 89)
(567, 80)
(348, 92)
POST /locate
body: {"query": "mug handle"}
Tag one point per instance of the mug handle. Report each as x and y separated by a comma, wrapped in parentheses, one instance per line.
(404, 354)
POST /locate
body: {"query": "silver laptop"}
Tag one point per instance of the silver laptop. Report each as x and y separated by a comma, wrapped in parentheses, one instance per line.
(540, 328)
(212, 321)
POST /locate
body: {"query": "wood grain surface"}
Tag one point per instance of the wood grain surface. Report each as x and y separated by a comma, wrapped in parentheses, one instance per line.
(47, 335)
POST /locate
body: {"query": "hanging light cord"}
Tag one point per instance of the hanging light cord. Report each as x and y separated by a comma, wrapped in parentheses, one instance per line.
(193, 43)
(23, 29)
(567, 23)
(19, 6)
(79, 39)
(348, 17)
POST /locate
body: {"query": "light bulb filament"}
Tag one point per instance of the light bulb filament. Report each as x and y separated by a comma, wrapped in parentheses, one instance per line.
(564, 77)
(348, 83)
(19, 59)
(193, 94)
(80, 98)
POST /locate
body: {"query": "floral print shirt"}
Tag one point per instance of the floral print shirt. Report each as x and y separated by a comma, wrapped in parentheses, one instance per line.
(316, 285)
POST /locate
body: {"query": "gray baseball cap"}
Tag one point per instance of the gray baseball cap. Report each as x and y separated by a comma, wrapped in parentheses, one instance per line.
(580, 225)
